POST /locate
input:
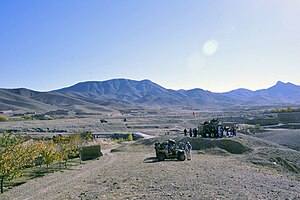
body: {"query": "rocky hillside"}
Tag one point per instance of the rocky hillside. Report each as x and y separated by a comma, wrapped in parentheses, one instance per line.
(118, 94)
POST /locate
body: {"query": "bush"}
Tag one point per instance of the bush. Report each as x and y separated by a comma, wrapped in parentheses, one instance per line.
(87, 135)
(130, 137)
(281, 110)
(3, 119)
(15, 156)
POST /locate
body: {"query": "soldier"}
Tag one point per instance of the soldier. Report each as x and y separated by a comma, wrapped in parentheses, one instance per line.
(219, 131)
(234, 132)
(157, 147)
(195, 132)
(188, 150)
(167, 147)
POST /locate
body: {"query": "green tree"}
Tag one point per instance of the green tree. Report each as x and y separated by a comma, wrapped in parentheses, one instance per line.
(48, 152)
(15, 156)
(68, 147)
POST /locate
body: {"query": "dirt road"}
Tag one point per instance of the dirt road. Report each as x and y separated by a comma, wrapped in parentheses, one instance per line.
(133, 173)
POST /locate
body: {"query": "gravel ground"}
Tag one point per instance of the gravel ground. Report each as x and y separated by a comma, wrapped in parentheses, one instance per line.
(133, 173)
(285, 137)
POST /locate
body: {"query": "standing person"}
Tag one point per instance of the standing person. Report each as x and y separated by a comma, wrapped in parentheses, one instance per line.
(188, 151)
(234, 132)
(185, 132)
(219, 132)
(191, 133)
(196, 133)
(167, 147)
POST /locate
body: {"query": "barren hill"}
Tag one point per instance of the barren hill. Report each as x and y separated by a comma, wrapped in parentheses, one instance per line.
(116, 94)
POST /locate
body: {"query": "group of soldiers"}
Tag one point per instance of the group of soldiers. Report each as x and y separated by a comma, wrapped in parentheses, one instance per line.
(192, 132)
(170, 148)
(212, 129)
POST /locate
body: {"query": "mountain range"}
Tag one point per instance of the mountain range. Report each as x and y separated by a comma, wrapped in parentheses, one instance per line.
(120, 94)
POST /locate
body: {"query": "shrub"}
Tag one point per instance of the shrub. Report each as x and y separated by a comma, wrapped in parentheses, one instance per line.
(68, 147)
(15, 156)
(130, 137)
(3, 118)
(87, 135)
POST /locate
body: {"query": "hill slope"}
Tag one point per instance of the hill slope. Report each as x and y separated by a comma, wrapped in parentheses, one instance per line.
(116, 94)
(144, 93)
(280, 93)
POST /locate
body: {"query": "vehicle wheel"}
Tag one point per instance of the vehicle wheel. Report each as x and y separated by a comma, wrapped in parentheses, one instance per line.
(181, 157)
(161, 157)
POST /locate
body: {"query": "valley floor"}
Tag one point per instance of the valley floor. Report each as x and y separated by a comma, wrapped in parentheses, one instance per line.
(133, 173)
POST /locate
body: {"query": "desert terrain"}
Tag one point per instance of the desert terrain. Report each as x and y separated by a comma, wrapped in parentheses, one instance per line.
(104, 100)
(248, 166)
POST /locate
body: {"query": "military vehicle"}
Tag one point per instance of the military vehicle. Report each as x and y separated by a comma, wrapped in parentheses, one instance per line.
(210, 128)
(103, 121)
(169, 149)
(214, 128)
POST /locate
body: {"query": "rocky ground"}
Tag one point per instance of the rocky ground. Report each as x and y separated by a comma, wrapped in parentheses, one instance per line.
(131, 172)
(285, 137)
(269, 169)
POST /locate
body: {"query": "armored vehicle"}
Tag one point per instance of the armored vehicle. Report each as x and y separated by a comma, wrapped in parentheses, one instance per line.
(169, 149)
(214, 128)
(210, 128)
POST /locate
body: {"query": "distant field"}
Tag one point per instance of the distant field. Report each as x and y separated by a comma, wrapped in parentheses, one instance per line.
(285, 137)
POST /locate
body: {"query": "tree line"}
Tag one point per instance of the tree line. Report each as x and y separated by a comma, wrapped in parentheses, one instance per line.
(18, 153)
(280, 110)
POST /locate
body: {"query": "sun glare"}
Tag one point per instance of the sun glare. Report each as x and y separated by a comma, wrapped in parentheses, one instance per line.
(210, 47)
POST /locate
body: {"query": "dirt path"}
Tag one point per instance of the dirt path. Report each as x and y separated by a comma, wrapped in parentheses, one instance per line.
(134, 174)
(54, 185)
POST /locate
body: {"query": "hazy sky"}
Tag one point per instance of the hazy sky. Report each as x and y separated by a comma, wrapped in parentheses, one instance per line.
(217, 45)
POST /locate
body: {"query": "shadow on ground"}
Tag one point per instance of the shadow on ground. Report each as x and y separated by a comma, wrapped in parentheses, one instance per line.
(150, 160)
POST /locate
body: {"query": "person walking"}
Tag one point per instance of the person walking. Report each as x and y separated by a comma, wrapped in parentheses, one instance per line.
(185, 132)
(191, 133)
(188, 151)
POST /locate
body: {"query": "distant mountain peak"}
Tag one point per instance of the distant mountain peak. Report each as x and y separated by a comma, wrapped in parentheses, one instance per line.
(119, 93)
(280, 83)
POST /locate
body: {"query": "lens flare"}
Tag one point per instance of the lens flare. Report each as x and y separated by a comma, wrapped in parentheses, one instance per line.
(210, 47)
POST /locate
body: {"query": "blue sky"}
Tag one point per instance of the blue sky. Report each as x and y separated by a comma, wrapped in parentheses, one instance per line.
(210, 44)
